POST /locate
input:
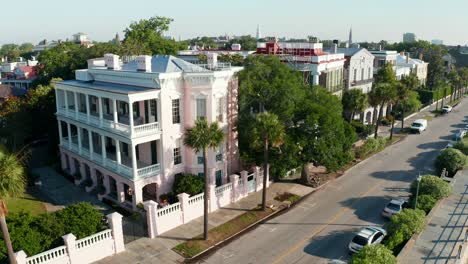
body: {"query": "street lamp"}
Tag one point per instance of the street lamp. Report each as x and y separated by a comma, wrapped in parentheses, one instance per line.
(417, 191)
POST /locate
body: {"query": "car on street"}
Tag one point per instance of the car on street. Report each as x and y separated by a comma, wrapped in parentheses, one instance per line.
(466, 126)
(394, 207)
(419, 125)
(446, 109)
(459, 135)
(449, 145)
(371, 235)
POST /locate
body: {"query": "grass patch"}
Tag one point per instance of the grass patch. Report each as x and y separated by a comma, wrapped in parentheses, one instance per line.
(286, 196)
(25, 202)
(196, 245)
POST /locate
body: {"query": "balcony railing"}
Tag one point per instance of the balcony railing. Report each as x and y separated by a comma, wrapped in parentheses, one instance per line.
(110, 125)
(112, 165)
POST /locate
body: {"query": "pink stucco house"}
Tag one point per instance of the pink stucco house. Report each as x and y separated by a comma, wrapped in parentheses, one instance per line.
(121, 125)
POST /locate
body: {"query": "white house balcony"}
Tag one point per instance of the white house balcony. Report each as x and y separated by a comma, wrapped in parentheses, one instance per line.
(133, 162)
(110, 114)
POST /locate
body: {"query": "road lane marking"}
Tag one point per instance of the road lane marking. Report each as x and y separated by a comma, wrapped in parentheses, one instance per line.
(320, 229)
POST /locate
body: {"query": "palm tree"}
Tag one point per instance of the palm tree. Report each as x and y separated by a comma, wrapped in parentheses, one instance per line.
(12, 184)
(353, 101)
(201, 137)
(268, 131)
(379, 96)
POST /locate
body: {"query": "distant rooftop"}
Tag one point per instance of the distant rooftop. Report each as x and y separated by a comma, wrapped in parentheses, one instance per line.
(166, 64)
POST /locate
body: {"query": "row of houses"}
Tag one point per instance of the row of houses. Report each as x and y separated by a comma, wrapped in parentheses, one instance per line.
(121, 122)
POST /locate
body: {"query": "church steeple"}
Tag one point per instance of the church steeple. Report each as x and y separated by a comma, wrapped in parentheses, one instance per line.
(350, 40)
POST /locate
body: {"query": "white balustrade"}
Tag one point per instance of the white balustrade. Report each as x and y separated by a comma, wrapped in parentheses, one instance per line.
(221, 189)
(91, 240)
(168, 210)
(149, 171)
(49, 256)
(196, 198)
(146, 128)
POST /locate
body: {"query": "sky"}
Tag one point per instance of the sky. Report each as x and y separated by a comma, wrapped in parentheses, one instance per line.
(371, 20)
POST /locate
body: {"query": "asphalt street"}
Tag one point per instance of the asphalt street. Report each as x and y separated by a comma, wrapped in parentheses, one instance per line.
(320, 228)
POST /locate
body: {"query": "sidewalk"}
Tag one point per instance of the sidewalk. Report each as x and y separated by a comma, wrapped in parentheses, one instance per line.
(445, 230)
(145, 250)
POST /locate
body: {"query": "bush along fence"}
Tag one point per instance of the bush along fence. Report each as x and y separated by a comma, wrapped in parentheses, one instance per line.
(188, 208)
(430, 96)
(87, 250)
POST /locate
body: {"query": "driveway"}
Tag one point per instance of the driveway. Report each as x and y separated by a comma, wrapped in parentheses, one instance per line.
(320, 229)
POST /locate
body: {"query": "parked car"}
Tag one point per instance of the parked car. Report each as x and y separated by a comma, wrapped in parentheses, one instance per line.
(449, 145)
(446, 109)
(459, 135)
(371, 235)
(466, 126)
(419, 125)
(394, 207)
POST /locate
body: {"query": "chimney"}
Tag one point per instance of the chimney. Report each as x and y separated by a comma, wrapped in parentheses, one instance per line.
(420, 56)
(112, 61)
(380, 47)
(334, 48)
(212, 59)
(402, 53)
(407, 57)
(144, 63)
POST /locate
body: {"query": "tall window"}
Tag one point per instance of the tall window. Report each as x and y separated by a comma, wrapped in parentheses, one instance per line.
(219, 153)
(362, 74)
(176, 111)
(201, 108)
(153, 107)
(355, 75)
(369, 73)
(177, 153)
(220, 110)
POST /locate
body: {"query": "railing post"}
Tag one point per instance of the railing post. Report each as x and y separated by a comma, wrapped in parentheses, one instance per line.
(258, 179)
(212, 198)
(20, 257)
(234, 178)
(115, 222)
(70, 244)
(151, 207)
(244, 176)
(183, 200)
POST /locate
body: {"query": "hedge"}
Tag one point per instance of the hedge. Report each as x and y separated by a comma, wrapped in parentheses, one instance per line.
(188, 183)
(35, 234)
(403, 226)
(429, 96)
(452, 160)
(371, 145)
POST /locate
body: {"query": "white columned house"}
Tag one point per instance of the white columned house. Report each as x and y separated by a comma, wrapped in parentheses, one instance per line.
(125, 127)
(359, 74)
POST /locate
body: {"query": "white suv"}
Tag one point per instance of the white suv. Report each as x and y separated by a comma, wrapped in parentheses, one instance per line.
(371, 235)
(394, 207)
(446, 109)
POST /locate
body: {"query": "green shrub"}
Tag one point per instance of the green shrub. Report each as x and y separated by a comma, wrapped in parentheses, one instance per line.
(188, 183)
(425, 202)
(371, 145)
(452, 160)
(377, 254)
(462, 146)
(35, 234)
(362, 130)
(403, 226)
(433, 186)
(385, 121)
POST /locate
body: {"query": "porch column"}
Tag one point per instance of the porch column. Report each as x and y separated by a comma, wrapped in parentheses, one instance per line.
(66, 100)
(69, 135)
(78, 129)
(117, 152)
(87, 107)
(60, 132)
(134, 161)
(120, 192)
(137, 195)
(57, 99)
(100, 109)
(91, 147)
(107, 184)
(75, 98)
(130, 116)
(114, 108)
(103, 149)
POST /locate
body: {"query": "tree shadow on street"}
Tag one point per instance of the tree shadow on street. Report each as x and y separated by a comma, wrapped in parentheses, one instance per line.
(364, 207)
(432, 145)
(333, 245)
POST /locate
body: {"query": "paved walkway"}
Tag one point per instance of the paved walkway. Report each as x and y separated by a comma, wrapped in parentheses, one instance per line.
(147, 250)
(440, 240)
(59, 192)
